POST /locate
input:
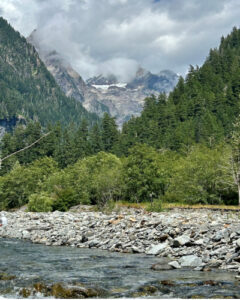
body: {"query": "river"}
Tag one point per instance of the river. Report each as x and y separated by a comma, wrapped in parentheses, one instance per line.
(115, 275)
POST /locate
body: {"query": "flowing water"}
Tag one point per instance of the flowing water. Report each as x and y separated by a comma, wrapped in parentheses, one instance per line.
(116, 275)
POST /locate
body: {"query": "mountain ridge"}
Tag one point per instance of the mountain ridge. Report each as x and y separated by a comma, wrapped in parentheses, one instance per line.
(28, 88)
(121, 100)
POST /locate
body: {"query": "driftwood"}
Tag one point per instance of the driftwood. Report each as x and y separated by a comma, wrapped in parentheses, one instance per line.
(25, 148)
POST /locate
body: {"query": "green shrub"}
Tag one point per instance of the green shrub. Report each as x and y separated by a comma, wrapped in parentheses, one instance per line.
(40, 202)
(155, 206)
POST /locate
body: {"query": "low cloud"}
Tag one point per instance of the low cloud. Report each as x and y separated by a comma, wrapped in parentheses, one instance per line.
(117, 36)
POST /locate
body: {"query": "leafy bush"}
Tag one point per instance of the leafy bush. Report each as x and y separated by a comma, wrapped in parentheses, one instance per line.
(146, 173)
(21, 182)
(95, 180)
(40, 203)
(202, 176)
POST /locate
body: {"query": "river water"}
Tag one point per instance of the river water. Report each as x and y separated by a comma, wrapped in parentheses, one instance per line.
(117, 275)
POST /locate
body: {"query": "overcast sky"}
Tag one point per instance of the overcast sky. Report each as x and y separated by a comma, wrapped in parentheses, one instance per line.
(119, 35)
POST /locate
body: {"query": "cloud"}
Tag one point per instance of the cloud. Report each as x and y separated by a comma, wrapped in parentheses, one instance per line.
(119, 35)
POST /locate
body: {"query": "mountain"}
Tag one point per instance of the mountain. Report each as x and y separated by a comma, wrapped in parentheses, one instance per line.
(101, 80)
(28, 90)
(200, 109)
(105, 93)
(160, 83)
(125, 100)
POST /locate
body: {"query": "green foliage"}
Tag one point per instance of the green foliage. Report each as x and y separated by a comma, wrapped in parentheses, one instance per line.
(66, 188)
(21, 182)
(202, 176)
(175, 151)
(146, 175)
(40, 202)
(155, 206)
(200, 109)
(110, 134)
(96, 180)
(104, 177)
(65, 144)
(28, 89)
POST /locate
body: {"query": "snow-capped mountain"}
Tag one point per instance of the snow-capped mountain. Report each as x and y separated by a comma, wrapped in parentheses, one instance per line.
(105, 94)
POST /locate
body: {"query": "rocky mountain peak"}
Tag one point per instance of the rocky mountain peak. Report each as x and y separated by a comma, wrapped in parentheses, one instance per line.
(104, 93)
(102, 80)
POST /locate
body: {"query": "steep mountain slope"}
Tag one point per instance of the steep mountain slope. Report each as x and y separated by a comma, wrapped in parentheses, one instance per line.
(105, 94)
(201, 109)
(125, 100)
(27, 87)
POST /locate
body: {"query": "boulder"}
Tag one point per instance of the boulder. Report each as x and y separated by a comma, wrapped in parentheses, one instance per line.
(162, 265)
(190, 261)
(181, 241)
(175, 264)
(157, 249)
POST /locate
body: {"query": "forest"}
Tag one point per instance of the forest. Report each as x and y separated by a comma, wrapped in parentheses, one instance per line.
(184, 148)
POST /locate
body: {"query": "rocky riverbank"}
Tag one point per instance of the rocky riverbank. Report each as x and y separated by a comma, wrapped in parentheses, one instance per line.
(201, 239)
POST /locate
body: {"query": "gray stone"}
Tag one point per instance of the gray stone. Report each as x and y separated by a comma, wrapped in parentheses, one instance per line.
(157, 249)
(175, 264)
(200, 268)
(214, 263)
(26, 234)
(190, 261)
(199, 242)
(217, 237)
(181, 241)
(163, 264)
(136, 250)
(161, 267)
(93, 243)
(238, 243)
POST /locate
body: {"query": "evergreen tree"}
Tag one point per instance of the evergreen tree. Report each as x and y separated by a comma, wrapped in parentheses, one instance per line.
(110, 134)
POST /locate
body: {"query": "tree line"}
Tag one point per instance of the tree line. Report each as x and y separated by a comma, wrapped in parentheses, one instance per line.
(185, 147)
(43, 178)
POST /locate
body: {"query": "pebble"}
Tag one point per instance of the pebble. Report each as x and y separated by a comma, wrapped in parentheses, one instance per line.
(190, 237)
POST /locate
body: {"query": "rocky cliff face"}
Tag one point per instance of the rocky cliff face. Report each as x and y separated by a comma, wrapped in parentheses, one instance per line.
(127, 99)
(105, 94)
(7, 125)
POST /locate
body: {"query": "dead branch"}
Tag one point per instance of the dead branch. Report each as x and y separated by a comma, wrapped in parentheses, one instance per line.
(25, 148)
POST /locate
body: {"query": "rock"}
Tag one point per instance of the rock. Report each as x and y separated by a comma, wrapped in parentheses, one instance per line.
(93, 243)
(157, 249)
(238, 243)
(161, 267)
(136, 250)
(200, 268)
(199, 242)
(190, 261)
(5, 276)
(163, 237)
(163, 264)
(217, 237)
(60, 291)
(84, 239)
(181, 241)
(214, 263)
(26, 234)
(175, 264)
(168, 282)
(148, 289)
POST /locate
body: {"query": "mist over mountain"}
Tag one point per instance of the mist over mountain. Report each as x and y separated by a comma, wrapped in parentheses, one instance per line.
(28, 90)
(105, 93)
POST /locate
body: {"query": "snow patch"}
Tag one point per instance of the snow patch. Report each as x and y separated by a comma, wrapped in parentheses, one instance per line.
(107, 86)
